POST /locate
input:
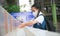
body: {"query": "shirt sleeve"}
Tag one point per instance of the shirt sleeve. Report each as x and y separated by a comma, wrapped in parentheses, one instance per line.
(40, 19)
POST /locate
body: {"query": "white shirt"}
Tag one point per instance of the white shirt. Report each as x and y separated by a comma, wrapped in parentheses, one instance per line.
(40, 18)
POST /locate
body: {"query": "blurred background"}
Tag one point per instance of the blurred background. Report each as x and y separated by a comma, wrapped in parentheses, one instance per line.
(51, 9)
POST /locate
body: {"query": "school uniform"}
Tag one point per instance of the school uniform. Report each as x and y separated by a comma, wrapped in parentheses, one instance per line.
(41, 24)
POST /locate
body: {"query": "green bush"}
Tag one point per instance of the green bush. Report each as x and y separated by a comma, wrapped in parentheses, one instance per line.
(12, 8)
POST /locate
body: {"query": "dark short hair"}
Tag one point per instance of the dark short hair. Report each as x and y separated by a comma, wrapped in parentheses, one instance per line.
(37, 6)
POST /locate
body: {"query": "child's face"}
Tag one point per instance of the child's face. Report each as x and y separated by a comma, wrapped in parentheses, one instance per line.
(33, 9)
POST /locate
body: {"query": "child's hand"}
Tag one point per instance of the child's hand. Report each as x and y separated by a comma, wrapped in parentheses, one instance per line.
(21, 26)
